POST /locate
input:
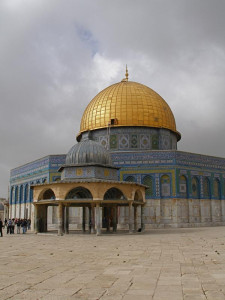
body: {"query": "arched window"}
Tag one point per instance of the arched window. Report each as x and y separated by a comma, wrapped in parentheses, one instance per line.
(31, 195)
(79, 193)
(206, 188)
(16, 195)
(138, 196)
(183, 186)
(216, 188)
(130, 178)
(195, 188)
(26, 193)
(49, 194)
(147, 180)
(114, 194)
(21, 193)
(11, 195)
(165, 186)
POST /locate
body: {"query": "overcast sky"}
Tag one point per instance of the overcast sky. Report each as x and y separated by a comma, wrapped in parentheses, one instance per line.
(56, 55)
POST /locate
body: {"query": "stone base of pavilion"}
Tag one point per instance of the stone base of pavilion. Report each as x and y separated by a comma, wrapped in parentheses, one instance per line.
(93, 209)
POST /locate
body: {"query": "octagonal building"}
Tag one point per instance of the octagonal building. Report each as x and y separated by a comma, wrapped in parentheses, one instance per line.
(138, 129)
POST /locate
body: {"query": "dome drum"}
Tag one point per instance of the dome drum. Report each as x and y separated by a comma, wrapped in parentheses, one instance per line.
(135, 138)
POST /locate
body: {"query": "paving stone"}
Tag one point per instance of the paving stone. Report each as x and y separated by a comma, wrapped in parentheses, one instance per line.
(158, 264)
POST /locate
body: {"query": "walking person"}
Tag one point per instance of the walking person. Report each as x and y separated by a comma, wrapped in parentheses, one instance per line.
(13, 226)
(18, 223)
(28, 224)
(24, 226)
(9, 226)
(1, 226)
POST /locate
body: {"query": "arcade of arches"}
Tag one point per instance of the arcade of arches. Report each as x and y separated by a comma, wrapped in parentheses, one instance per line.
(99, 201)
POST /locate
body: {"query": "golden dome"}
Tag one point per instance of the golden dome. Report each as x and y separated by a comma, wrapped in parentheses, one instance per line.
(129, 104)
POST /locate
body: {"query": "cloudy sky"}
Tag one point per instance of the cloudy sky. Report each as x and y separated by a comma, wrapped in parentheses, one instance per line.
(56, 55)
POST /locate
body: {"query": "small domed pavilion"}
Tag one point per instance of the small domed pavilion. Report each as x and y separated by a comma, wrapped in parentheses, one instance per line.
(89, 181)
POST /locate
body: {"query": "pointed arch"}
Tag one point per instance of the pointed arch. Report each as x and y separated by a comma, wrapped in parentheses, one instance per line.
(16, 194)
(195, 188)
(21, 194)
(206, 188)
(183, 188)
(26, 193)
(138, 196)
(79, 193)
(11, 195)
(216, 188)
(114, 194)
(148, 181)
(165, 186)
(49, 194)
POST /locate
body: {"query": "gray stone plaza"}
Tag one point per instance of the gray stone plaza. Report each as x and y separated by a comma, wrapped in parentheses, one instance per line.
(181, 263)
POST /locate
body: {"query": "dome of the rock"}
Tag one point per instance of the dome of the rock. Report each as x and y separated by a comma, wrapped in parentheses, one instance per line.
(128, 103)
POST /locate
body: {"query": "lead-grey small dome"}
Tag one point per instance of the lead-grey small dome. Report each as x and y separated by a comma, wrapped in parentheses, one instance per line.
(88, 152)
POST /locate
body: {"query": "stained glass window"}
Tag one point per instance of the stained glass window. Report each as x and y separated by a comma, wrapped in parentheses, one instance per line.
(130, 179)
(165, 186)
(16, 195)
(183, 186)
(147, 180)
(195, 187)
(216, 187)
(206, 187)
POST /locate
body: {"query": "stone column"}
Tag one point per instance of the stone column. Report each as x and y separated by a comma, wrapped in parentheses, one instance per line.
(36, 229)
(60, 219)
(89, 217)
(142, 219)
(98, 232)
(114, 218)
(83, 218)
(66, 220)
(107, 219)
(135, 218)
(92, 219)
(130, 216)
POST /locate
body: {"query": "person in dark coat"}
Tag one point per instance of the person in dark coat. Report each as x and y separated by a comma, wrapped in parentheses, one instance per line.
(1, 226)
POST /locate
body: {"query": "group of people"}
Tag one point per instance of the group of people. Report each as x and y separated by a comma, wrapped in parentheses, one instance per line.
(10, 224)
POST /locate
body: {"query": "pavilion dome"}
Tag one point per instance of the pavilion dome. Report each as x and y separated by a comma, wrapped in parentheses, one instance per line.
(128, 104)
(88, 152)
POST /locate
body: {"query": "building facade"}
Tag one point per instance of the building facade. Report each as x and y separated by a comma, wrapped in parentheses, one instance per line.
(138, 128)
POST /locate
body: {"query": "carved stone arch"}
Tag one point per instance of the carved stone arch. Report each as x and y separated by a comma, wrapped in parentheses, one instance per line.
(79, 193)
(138, 196)
(47, 194)
(114, 194)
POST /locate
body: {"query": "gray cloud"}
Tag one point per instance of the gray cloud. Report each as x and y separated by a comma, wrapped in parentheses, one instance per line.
(55, 56)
